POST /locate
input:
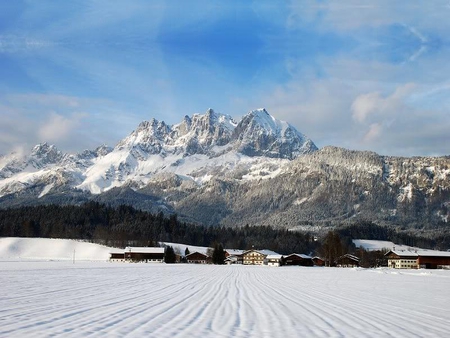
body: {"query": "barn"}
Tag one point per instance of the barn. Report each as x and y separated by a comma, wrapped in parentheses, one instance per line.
(198, 258)
(298, 259)
(144, 254)
(318, 261)
(347, 261)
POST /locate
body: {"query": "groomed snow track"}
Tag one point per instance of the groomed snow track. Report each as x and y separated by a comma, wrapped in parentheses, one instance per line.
(93, 299)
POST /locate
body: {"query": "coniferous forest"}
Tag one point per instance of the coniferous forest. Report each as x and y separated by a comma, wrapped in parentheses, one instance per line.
(123, 226)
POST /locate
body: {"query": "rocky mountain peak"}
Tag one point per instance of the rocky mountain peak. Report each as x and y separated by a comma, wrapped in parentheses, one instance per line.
(44, 154)
(260, 134)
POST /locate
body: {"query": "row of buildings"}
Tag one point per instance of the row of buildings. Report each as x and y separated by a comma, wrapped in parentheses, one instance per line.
(397, 259)
(244, 257)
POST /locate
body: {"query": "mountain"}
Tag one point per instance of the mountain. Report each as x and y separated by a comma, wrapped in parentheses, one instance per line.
(213, 170)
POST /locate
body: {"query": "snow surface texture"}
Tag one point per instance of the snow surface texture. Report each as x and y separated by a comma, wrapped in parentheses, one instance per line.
(51, 249)
(98, 299)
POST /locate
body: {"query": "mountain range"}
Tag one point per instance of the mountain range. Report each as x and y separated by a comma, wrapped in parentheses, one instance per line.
(213, 170)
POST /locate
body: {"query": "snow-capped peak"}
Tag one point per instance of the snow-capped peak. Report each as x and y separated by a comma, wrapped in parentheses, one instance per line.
(260, 134)
(195, 148)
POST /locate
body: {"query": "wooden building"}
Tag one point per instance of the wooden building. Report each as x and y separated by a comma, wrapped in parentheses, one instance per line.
(347, 261)
(198, 258)
(117, 256)
(298, 259)
(318, 261)
(144, 254)
(418, 259)
(138, 254)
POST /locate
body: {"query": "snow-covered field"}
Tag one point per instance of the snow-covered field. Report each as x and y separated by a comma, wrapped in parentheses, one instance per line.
(45, 294)
(59, 298)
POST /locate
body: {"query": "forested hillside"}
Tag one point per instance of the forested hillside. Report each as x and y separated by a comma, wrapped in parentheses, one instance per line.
(125, 225)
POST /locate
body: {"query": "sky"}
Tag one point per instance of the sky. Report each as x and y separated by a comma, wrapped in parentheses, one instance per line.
(364, 75)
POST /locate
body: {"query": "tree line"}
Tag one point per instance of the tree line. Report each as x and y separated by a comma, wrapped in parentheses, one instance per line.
(123, 226)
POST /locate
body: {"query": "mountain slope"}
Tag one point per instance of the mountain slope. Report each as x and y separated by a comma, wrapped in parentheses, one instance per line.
(213, 170)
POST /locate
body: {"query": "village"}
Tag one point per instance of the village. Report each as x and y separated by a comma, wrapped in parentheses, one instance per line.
(396, 259)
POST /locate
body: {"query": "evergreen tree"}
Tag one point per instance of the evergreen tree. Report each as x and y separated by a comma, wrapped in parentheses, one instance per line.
(186, 252)
(218, 255)
(169, 255)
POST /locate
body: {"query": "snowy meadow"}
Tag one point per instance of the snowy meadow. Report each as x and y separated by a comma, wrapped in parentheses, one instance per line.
(92, 299)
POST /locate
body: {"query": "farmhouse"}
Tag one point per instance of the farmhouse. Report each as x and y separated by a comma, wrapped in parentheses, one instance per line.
(234, 256)
(274, 260)
(138, 254)
(198, 258)
(347, 261)
(415, 259)
(298, 259)
(256, 257)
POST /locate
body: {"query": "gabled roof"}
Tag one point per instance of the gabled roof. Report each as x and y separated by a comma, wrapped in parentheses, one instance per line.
(131, 249)
(196, 252)
(299, 255)
(264, 252)
(352, 257)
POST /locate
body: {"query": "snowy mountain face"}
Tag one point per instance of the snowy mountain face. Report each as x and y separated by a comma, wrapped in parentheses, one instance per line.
(213, 170)
(198, 148)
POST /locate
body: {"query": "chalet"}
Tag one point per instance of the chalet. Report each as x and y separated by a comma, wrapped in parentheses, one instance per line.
(198, 258)
(138, 254)
(318, 261)
(256, 257)
(234, 256)
(298, 259)
(274, 260)
(347, 261)
(415, 259)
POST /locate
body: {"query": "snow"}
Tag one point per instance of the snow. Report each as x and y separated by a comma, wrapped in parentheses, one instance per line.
(98, 299)
(42, 299)
(46, 190)
(181, 248)
(13, 248)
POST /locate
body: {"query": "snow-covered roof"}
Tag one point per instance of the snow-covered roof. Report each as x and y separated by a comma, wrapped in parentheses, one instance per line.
(268, 252)
(422, 253)
(136, 249)
(274, 256)
(235, 252)
(349, 256)
(300, 255)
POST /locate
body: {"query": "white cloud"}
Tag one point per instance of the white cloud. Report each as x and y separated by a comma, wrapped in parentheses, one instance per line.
(373, 106)
(374, 132)
(352, 14)
(58, 127)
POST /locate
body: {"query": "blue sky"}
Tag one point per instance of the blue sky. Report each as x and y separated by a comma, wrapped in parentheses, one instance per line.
(363, 75)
